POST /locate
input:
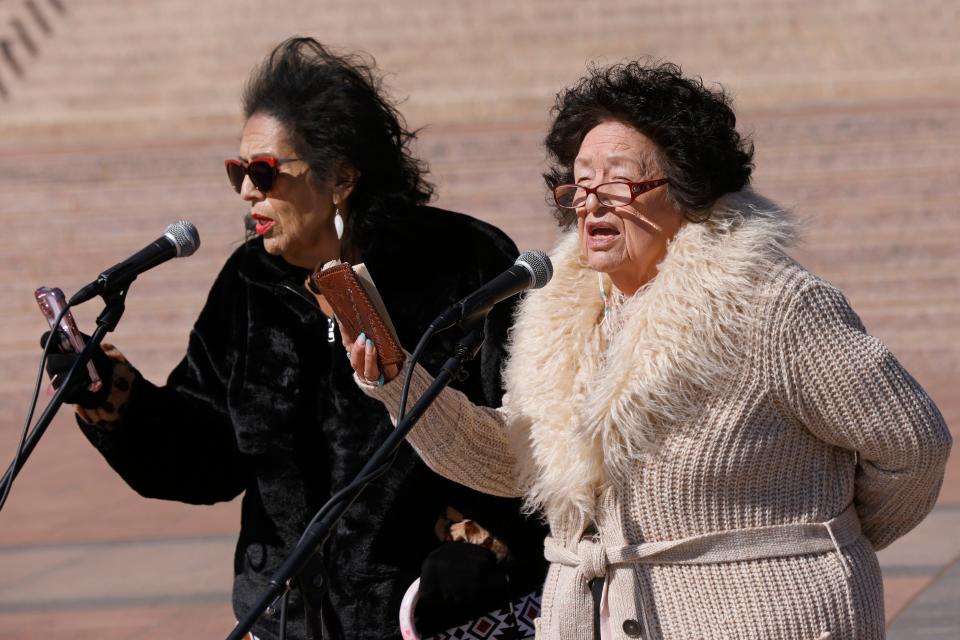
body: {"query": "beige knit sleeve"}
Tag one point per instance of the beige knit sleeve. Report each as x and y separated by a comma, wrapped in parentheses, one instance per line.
(454, 437)
(849, 390)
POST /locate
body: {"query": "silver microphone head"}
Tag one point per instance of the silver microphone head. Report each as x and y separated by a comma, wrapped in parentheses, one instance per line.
(539, 266)
(184, 236)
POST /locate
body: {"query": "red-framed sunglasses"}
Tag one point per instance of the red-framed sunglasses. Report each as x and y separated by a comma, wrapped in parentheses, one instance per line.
(263, 172)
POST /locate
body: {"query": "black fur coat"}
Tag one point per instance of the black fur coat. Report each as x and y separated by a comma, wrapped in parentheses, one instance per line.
(264, 405)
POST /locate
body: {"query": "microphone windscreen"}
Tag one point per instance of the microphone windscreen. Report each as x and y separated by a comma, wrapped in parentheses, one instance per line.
(539, 266)
(184, 236)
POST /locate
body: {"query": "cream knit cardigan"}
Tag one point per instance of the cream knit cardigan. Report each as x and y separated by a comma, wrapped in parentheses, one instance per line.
(740, 447)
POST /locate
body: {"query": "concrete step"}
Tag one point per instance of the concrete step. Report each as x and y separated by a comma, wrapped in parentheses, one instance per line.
(443, 83)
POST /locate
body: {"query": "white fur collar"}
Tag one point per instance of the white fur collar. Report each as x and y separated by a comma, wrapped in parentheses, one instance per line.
(582, 417)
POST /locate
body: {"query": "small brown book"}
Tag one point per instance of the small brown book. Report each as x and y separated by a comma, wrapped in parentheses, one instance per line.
(348, 293)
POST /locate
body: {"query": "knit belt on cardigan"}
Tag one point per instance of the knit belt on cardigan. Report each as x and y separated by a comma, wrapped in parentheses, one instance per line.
(591, 558)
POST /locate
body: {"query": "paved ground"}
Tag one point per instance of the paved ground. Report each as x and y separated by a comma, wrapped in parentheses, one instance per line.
(119, 117)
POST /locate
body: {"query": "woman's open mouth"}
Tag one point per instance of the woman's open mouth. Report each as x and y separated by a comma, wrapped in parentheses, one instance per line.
(600, 234)
(263, 223)
(604, 231)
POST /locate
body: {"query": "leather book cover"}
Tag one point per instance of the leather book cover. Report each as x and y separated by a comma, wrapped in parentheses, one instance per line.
(348, 291)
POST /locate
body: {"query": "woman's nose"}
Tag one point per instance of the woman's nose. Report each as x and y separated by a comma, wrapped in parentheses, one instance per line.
(591, 204)
(249, 192)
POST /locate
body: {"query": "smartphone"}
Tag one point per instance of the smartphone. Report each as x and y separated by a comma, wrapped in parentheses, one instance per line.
(51, 302)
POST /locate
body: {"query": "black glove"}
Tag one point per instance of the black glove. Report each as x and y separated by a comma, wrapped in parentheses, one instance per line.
(459, 582)
(60, 362)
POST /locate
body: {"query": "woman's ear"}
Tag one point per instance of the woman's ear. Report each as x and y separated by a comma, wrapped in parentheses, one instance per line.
(347, 177)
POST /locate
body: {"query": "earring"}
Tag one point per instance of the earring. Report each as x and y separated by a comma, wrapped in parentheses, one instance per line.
(338, 223)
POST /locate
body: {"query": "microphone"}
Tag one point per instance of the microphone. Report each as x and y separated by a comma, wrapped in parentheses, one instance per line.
(531, 270)
(180, 239)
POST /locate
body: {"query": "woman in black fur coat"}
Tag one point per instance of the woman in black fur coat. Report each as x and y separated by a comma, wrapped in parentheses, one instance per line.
(264, 404)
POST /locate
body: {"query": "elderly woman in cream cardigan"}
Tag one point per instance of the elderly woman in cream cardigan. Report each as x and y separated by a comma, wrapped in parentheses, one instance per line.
(717, 444)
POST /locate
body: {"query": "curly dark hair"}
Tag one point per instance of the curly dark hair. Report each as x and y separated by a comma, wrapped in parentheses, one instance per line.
(693, 127)
(334, 110)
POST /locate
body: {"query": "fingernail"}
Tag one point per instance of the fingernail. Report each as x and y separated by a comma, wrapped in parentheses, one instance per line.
(362, 337)
(369, 343)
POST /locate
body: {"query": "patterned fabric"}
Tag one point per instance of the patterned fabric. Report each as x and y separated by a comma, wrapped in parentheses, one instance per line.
(453, 527)
(107, 415)
(515, 623)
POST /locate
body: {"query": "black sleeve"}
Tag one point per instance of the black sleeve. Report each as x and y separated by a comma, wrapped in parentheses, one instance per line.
(445, 257)
(177, 441)
(484, 253)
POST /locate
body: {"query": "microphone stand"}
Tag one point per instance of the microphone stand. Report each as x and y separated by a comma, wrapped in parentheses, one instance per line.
(106, 322)
(316, 535)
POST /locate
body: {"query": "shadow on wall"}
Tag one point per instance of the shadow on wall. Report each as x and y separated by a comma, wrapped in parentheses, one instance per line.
(24, 27)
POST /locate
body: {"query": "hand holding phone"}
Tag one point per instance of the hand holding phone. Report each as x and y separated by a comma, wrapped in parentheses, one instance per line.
(51, 301)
